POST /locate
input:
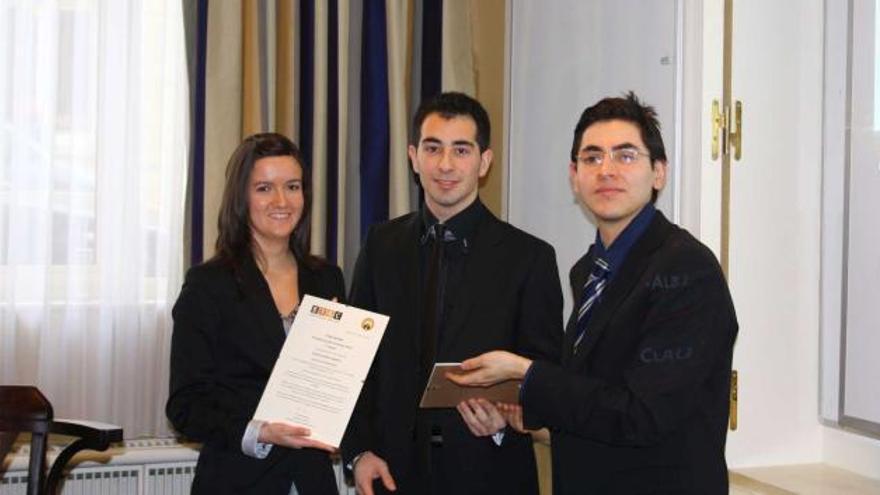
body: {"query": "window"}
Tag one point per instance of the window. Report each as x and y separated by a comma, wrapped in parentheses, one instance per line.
(851, 177)
(93, 162)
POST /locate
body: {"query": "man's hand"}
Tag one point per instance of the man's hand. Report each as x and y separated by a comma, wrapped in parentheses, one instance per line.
(491, 368)
(513, 415)
(287, 435)
(481, 417)
(370, 467)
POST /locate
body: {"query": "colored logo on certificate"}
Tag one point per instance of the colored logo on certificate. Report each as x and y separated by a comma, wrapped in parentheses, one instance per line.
(326, 313)
(367, 324)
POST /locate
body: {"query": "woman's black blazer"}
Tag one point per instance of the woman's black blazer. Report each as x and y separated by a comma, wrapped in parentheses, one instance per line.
(227, 336)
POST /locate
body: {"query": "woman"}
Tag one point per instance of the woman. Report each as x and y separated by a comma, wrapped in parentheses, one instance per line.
(231, 320)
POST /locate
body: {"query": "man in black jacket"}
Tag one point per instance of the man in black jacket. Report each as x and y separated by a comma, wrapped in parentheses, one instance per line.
(456, 281)
(640, 402)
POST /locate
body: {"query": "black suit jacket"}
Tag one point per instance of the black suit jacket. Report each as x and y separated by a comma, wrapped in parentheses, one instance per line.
(509, 298)
(227, 336)
(642, 407)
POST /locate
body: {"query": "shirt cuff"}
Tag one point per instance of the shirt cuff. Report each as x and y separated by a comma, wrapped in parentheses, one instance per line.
(498, 438)
(250, 446)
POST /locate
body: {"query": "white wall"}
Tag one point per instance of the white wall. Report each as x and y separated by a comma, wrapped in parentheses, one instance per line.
(851, 451)
(564, 56)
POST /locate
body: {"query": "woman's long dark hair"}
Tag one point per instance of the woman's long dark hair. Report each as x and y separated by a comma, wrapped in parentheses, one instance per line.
(234, 238)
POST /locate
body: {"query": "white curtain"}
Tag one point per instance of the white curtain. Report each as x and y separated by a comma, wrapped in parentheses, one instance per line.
(93, 159)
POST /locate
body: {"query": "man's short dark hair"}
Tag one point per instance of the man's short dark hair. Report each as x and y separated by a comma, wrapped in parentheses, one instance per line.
(450, 105)
(629, 109)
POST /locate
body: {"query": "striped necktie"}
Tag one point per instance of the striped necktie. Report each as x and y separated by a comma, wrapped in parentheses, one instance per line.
(590, 296)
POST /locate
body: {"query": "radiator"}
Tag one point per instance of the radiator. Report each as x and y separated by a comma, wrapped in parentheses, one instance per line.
(139, 467)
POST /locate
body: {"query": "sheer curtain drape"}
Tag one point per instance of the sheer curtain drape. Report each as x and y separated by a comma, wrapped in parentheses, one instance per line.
(93, 156)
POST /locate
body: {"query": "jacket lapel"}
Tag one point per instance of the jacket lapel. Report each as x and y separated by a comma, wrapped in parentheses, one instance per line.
(578, 279)
(405, 264)
(623, 283)
(266, 332)
(483, 244)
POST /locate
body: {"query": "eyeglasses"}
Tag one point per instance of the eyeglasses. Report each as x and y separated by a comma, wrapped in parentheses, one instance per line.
(621, 156)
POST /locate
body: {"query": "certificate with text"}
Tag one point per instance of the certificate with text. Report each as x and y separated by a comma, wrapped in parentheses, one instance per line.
(322, 367)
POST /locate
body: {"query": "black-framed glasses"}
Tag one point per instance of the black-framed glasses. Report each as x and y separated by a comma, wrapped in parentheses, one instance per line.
(620, 156)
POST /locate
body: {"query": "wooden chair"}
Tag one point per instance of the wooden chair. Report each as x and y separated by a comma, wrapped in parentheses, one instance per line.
(24, 409)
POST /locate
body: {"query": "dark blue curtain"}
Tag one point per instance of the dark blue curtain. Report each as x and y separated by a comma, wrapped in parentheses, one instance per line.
(306, 77)
(333, 131)
(432, 48)
(374, 117)
(197, 183)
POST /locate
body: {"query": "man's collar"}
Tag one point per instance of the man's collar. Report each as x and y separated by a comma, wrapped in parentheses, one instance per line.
(463, 224)
(616, 253)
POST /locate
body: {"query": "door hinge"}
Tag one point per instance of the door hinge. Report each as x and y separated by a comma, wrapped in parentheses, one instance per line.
(726, 130)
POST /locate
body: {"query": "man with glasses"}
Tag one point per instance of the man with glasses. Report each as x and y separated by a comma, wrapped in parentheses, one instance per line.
(640, 401)
(456, 281)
